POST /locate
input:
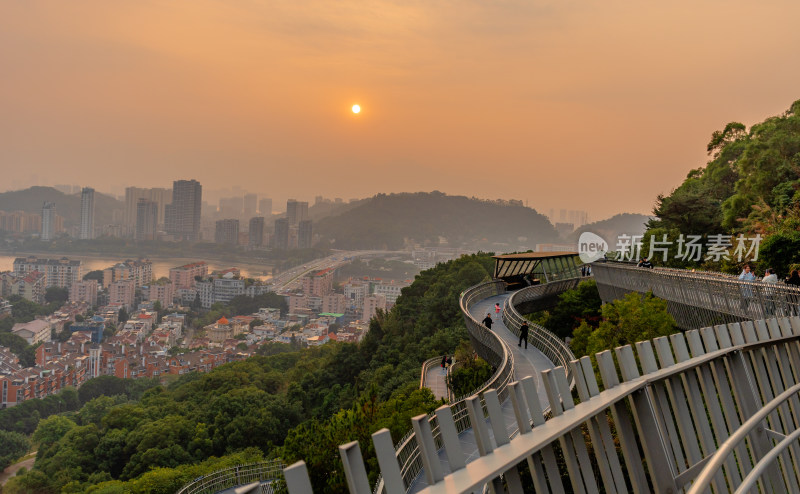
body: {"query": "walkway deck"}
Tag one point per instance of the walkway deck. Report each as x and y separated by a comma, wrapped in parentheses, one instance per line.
(530, 362)
(436, 382)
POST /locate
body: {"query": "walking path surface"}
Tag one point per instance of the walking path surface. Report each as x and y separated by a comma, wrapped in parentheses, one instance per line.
(527, 362)
(9, 472)
(436, 382)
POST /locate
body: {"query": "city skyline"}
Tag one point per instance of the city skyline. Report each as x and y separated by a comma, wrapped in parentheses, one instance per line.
(453, 98)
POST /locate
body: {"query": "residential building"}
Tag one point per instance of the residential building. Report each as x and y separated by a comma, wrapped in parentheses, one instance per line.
(122, 293)
(84, 291)
(227, 232)
(256, 232)
(139, 271)
(163, 292)
(160, 196)
(5, 308)
(265, 206)
(20, 222)
(389, 290)
(281, 240)
(355, 292)
(182, 216)
(250, 203)
(220, 289)
(319, 284)
(30, 286)
(304, 234)
(371, 304)
(334, 303)
(146, 220)
(33, 332)
(94, 326)
(48, 220)
(296, 211)
(87, 214)
(184, 276)
(58, 272)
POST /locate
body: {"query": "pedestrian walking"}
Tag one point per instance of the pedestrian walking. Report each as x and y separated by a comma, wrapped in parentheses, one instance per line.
(523, 335)
(497, 308)
(487, 321)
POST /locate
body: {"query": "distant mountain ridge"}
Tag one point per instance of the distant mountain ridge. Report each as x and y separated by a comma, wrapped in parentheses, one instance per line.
(392, 221)
(31, 200)
(611, 228)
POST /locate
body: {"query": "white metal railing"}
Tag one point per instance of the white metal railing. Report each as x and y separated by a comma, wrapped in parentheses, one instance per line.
(699, 299)
(227, 478)
(715, 408)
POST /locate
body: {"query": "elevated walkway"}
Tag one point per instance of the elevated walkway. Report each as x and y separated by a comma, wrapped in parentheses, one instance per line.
(699, 299)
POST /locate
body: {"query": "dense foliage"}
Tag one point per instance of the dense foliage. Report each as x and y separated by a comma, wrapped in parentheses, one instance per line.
(13, 445)
(625, 321)
(751, 185)
(289, 404)
(426, 217)
(574, 307)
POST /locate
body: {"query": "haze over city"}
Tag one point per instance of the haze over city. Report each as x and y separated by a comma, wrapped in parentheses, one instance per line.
(464, 97)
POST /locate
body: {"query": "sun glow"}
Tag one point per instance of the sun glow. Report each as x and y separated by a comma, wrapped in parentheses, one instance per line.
(356, 109)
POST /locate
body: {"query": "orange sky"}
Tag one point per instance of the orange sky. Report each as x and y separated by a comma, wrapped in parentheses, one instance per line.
(596, 105)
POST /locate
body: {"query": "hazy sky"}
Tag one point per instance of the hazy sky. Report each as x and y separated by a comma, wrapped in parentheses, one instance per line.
(596, 105)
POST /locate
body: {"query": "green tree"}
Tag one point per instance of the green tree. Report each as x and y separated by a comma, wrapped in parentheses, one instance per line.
(625, 321)
(13, 445)
(57, 295)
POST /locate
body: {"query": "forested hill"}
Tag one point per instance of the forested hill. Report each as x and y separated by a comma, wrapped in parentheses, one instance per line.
(611, 228)
(287, 402)
(67, 205)
(392, 221)
(750, 185)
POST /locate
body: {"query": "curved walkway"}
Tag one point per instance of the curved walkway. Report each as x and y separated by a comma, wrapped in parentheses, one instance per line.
(436, 381)
(527, 362)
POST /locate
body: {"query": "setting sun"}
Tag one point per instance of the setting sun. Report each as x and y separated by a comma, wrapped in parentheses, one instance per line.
(356, 109)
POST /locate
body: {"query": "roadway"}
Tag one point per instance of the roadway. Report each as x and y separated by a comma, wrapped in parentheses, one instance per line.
(292, 278)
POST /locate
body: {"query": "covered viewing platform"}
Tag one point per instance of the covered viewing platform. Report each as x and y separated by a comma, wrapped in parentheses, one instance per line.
(532, 268)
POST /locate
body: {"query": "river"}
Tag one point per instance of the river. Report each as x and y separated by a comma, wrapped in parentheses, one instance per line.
(161, 265)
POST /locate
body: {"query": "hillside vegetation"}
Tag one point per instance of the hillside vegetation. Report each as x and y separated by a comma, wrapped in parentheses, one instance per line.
(67, 205)
(286, 403)
(750, 185)
(395, 220)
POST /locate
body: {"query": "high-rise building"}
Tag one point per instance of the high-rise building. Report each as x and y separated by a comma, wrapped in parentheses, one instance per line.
(146, 219)
(281, 238)
(304, 234)
(250, 203)
(87, 214)
(162, 197)
(231, 207)
(256, 232)
(265, 206)
(227, 232)
(296, 211)
(48, 220)
(183, 215)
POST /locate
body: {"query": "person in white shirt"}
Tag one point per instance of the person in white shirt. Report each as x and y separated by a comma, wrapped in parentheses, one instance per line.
(770, 276)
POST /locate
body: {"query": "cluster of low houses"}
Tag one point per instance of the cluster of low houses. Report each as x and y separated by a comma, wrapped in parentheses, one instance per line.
(140, 348)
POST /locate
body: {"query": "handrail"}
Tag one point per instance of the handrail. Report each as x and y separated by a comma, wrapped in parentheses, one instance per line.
(485, 343)
(540, 337)
(494, 350)
(699, 299)
(725, 450)
(227, 478)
